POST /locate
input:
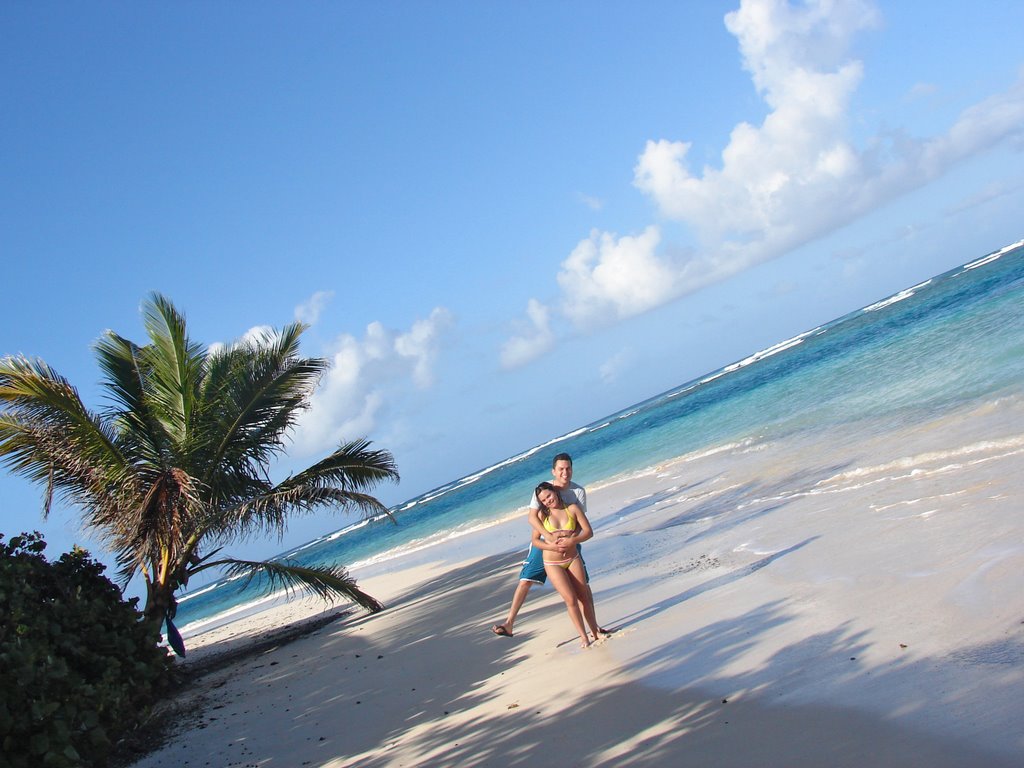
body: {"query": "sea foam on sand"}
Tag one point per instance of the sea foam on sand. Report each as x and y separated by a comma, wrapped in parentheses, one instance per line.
(852, 599)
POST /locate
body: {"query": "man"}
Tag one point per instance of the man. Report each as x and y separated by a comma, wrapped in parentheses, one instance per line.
(532, 571)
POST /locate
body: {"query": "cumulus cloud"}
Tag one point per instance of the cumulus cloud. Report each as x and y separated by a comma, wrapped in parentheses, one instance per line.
(534, 338)
(799, 161)
(773, 174)
(365, 375)
(309, 311)
(418, 347)
(779, 184)
(608, 277)
(257, 334)
(612, 368)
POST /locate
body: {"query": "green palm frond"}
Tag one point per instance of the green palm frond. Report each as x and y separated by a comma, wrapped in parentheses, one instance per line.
(48, 436)
(269, 513)
(261, 388)
(175, 365)
(127, 380)
(178, 459)
(326, 582)
(352, 466)
(337, 481)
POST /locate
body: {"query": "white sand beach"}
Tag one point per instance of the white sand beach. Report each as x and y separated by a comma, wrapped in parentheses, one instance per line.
(848, 601)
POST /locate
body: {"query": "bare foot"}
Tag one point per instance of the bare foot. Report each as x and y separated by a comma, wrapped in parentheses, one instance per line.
(502, 630)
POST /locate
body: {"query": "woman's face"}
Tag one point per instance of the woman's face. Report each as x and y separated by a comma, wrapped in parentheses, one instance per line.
(548, 498)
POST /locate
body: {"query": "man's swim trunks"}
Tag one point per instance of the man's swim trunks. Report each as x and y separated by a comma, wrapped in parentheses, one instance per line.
(533, 566)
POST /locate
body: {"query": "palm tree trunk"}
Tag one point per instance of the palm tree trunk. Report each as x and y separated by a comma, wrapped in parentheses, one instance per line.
(159, 603)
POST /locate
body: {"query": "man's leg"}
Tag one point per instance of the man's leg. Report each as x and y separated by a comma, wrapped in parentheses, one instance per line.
(518, 598)
(532, 573)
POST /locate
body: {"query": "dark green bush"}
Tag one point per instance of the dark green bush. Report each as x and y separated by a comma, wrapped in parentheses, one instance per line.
(78, 669)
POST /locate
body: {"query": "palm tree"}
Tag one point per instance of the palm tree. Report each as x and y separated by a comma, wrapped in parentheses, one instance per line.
(177, 464)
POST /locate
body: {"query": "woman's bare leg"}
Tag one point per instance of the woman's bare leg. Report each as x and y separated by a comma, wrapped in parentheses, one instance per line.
(585, 597)
(589, 602)
(560, 580)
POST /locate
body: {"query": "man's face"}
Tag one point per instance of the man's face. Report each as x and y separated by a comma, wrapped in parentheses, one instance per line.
(562, 472)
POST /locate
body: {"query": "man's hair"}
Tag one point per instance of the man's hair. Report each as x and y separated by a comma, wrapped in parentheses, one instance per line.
(561, 457)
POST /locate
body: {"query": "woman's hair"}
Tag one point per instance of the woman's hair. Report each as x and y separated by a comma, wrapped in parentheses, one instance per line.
(545, 486)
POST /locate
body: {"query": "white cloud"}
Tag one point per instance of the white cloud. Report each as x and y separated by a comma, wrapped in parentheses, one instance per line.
(309, 311)
(419, 345)
(922, 90)
(611, 368)
(796, 175)
(772, 175)
(607, 277)
(780, 184)
(365, 375)
(593, 203)
(991, 191)
(258, 334)
(535, 337)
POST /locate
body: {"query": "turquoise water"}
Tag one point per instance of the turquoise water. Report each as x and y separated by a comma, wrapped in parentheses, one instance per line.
(955, 339)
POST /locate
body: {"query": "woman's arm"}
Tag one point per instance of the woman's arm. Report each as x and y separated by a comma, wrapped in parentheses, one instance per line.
(550, 546)
(583, 530)
(536, 524)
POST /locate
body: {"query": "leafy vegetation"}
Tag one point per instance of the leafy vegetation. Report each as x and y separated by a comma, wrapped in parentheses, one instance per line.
(78, 667)
(178, 463)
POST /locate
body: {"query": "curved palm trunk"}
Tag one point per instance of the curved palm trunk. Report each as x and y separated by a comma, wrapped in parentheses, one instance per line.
(159, 602)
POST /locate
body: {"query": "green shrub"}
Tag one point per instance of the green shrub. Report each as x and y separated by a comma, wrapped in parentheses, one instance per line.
(78, 669)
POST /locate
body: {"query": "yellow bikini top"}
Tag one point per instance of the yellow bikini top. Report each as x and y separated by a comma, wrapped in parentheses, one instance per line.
(550, 527)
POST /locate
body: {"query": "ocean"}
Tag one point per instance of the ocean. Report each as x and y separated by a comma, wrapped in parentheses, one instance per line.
(954, 341)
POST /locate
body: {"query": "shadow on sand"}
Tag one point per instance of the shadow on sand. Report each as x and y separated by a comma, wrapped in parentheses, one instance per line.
(332, 697)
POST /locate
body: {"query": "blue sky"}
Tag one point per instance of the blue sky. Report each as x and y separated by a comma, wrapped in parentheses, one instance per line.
(501, 220)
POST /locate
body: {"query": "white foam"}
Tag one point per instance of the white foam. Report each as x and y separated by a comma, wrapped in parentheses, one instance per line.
(231, 614)
(688, 388)
(901, 296)
(219, 583)
(982, 262)
(742, 445)
(993, 256)
(519, 457)
(775, 349)
(441, 537)
(1011, 444)
(912, 502)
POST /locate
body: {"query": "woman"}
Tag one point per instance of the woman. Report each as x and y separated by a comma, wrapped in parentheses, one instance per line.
(565, 526)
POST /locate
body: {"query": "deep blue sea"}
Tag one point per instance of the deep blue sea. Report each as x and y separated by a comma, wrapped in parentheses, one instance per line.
(953, 340)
